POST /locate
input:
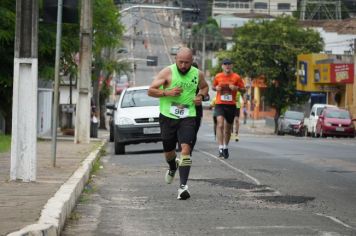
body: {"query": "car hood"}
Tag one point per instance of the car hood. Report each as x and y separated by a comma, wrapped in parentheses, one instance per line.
(139, 112)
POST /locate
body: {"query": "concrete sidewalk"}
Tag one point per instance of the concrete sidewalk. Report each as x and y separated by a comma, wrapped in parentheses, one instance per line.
(41, 207)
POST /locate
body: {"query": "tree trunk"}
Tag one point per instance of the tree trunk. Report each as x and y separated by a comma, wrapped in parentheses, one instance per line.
(276, 117)
(102, 115)
(8, 122)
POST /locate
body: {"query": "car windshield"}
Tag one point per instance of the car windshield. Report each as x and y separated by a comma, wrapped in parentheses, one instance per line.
(294, 115)
(138, 98)
(319, 110)
(339, 114)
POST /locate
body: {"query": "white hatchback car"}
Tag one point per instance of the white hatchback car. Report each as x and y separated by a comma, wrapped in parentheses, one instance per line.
(136, 119)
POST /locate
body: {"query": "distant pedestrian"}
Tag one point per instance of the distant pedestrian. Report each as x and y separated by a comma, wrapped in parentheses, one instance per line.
(244, 111)
(212, 107)
(176, 86)
(239, 101)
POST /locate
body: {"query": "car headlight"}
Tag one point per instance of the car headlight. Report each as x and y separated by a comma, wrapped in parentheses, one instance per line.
(125, 121)
(328, 124)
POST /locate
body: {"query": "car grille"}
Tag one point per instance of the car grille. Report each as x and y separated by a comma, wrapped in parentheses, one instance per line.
(342, 125)
(146, 120)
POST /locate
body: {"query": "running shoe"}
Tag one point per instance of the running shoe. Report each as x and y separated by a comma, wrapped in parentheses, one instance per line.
(226, 153)
(237, 138)
(170, 176)
(221, 153)
(183, 192)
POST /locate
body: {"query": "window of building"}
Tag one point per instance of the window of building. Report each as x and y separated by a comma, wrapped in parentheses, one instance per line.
(283, 6)
(221, 5)
(260, 5)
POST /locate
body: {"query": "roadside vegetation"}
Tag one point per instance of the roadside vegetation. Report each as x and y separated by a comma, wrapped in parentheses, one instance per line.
(107, 35)
(268, 50)
(5, 143)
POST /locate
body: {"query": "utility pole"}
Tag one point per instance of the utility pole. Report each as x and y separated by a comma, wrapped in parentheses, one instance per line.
(56, 82)
(24, 106)
(203, 50)
(82, 124)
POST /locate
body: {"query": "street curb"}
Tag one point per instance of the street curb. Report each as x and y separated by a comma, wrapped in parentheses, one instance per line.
(59, 207)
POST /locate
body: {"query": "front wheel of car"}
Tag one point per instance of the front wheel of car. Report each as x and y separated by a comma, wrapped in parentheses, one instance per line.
(119, 148)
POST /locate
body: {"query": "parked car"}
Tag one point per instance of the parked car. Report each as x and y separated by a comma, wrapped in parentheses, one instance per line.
(311, 120)
(291, 122)
(335, 122)
(111, 113)
(136, 119)
(174, 50)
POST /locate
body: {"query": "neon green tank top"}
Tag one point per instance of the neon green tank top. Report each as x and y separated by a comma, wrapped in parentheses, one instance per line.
(238, 100)
(183, 105)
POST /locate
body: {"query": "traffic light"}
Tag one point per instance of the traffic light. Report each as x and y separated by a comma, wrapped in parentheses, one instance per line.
(200, 13)
(69, 11)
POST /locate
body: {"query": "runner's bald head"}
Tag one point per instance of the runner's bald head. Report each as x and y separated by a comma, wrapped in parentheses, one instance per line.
(185, 52)
(184, 59)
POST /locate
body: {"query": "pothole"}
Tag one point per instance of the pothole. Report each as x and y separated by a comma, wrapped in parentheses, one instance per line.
(341, 171)
(286, 199)
(231, 183)
(264, 190)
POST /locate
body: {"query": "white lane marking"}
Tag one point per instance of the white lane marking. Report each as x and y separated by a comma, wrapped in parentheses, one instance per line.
(257, 182)
(335, 220)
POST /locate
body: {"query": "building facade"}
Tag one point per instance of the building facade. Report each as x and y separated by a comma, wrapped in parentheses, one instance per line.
(328, 78)
(268, 7)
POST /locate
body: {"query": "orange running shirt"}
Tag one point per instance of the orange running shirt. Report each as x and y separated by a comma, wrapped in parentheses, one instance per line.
(226, 95)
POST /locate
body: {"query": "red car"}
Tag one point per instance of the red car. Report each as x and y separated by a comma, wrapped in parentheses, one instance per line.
(335, 122)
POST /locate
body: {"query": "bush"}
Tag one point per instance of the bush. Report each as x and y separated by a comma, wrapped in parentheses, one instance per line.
(5, 143)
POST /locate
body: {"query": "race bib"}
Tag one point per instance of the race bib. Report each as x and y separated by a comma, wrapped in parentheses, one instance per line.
(226, 97)
(179, 110)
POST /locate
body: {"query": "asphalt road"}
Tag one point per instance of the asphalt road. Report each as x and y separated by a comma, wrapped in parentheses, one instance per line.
(270, 185)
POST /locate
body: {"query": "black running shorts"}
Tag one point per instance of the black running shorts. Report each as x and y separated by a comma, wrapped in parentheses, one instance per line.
(227, 111)
(237, 114)
(176, 130)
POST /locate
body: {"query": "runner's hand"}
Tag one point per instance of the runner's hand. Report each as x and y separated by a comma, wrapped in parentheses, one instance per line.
(175, 92)
(198, 100)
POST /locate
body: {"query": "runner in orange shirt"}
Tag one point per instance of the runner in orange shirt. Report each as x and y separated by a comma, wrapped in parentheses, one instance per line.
(226, 84)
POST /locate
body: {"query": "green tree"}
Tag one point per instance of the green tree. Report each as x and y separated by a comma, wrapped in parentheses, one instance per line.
(107, 34)
(7, 35)
(269, 48)
(213, 38)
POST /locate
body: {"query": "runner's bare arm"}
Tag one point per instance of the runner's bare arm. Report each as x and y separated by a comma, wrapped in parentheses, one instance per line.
(203, 89)
(163, 78)
(203, 85)
(160, 80)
